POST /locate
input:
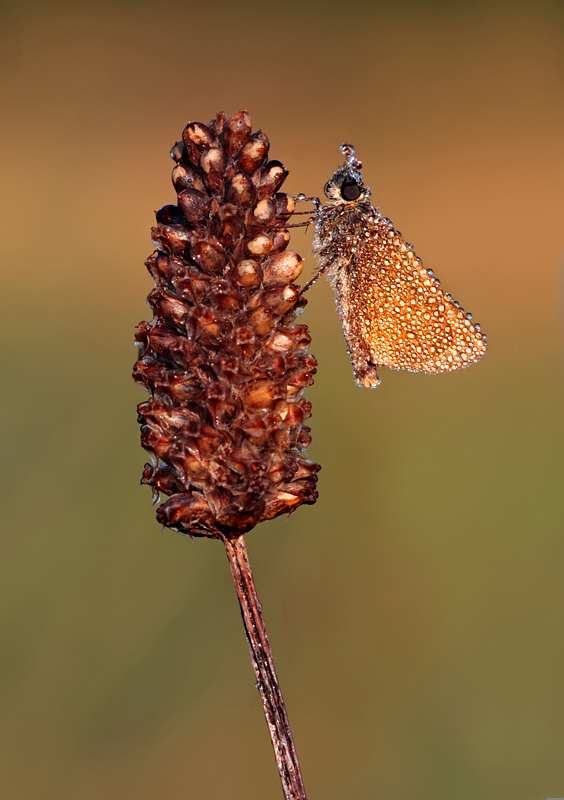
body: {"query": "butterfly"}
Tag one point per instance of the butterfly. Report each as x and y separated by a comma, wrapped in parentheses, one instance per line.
(393, 310)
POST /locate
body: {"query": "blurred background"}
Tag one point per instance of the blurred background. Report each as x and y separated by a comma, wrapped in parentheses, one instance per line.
(416, 611)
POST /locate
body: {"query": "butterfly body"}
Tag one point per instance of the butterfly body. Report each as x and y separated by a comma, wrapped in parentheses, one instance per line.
(393, 311)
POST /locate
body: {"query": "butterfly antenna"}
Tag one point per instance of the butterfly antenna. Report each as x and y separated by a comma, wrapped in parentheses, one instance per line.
(351, 161)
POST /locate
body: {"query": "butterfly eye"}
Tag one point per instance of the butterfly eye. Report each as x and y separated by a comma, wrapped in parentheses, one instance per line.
(350, 190)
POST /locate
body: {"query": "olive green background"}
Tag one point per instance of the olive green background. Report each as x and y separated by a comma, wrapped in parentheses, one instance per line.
(416, 611)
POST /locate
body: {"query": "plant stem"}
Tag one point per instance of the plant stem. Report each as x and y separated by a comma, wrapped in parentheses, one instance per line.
(263, 665)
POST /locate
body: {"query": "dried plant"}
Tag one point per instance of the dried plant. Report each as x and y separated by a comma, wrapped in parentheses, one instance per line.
(226, 366)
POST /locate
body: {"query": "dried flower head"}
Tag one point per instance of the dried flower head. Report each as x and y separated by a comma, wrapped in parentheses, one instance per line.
(393, 310)
(223, 358)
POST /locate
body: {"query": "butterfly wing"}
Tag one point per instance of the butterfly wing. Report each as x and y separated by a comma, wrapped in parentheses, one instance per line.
(401, 317)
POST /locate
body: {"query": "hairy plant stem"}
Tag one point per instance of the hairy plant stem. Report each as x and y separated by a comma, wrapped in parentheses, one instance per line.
(263, 665)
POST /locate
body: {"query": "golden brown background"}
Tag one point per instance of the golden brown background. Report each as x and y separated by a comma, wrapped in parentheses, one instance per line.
(416, 612)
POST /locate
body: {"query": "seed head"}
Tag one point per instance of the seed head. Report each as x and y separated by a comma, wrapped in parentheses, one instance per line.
(223, 359)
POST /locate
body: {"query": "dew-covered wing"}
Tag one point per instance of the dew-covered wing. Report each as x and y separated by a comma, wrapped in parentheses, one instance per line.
(403, 315)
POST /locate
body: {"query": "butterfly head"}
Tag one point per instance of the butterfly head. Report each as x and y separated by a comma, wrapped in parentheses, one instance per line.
(346, 186)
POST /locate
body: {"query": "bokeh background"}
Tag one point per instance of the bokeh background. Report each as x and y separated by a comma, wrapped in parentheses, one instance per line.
(416, 612)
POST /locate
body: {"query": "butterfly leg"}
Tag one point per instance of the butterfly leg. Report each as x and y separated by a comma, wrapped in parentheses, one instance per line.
(301, 198)
(304, 224)
(315, 278)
